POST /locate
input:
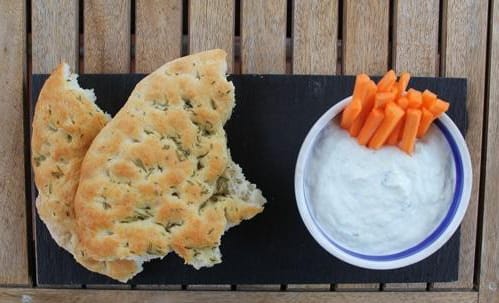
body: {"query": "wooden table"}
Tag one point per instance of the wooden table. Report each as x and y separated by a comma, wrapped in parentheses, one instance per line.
(439, 38)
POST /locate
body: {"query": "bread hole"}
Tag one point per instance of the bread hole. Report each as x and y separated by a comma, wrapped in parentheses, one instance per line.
(69, 138)
(148, 132)
(187, 104)
(213, 105)
(169, 225)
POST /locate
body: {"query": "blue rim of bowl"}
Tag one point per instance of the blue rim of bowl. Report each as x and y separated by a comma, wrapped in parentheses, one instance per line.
(437, 232)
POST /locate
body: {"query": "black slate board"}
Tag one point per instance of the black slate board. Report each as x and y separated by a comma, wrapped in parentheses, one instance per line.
(272, 117)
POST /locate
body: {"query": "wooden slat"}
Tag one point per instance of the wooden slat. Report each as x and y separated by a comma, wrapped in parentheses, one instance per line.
(315, 27)
(158, 33)
(415, 49)
(258, 287)
(357, 287)
(211, 25)
(405, 286)
(464, 52)
(13, 232)
(365, 36)
(489, 269)
(211, 287)
(263, 33)
(106, 36)
(158, 286)
(11, 295)
(308, 287)
(54, 34)
(415, 36)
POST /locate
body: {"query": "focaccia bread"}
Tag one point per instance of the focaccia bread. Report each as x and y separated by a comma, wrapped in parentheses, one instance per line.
(159, 177)
(65, 122)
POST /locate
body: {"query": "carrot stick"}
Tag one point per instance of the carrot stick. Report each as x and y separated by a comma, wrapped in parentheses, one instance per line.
(411, 126)
(439, 108)
(403, 102)
(403, 82)
(415, 98)
(387, 81)
(429, 99)
(393, 114)
(352, 110)
(383, 98)
(367, 106)
(350, 113)
(360, 87)
(374, 119)
(426, 120)
(396, 134)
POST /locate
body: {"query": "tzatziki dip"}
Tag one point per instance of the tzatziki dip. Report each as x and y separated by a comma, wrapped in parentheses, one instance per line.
(379, 202)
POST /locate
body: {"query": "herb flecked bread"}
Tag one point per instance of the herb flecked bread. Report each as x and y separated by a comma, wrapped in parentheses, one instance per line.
(159, 177)
(65, 122)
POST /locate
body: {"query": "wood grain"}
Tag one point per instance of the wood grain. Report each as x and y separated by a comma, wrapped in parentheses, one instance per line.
(315, 27)
(211, 287)
(357, 287)
(211, 25)
(308, 287)
(158, 33)
(489, 269)
(365, 36)
(415, 37)
(405, 286)
(54, 34)
(11, 295)
(258, 287)
(464, 51)
(106, 36)
(13, 232)
(263, 36)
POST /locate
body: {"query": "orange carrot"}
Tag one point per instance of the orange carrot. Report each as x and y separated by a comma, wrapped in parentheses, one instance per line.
(352, 110)
(403, 82)
(373, 121)
(429, 99)
(387, 81)
(415, 98)
(403, 102)
(393, 114)
(396, 134)
(411, 126)
(426, 120)
(383, 98)
(360, 87)
(367, 106)
(350, 113)
(439, 108)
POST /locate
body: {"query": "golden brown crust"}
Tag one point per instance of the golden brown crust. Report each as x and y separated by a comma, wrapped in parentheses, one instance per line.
(64, 124)
(149, 180)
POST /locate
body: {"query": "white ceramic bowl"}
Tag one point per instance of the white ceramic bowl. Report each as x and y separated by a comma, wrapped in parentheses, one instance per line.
(418, 251)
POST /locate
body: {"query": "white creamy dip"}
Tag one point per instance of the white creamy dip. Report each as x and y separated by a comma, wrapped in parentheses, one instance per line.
(382, 201)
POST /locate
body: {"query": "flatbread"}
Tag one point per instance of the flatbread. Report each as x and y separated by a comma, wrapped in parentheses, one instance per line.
(159, 177)
(65, 122)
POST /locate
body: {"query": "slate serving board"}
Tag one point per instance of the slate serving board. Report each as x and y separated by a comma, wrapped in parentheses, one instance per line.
(272, 116)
